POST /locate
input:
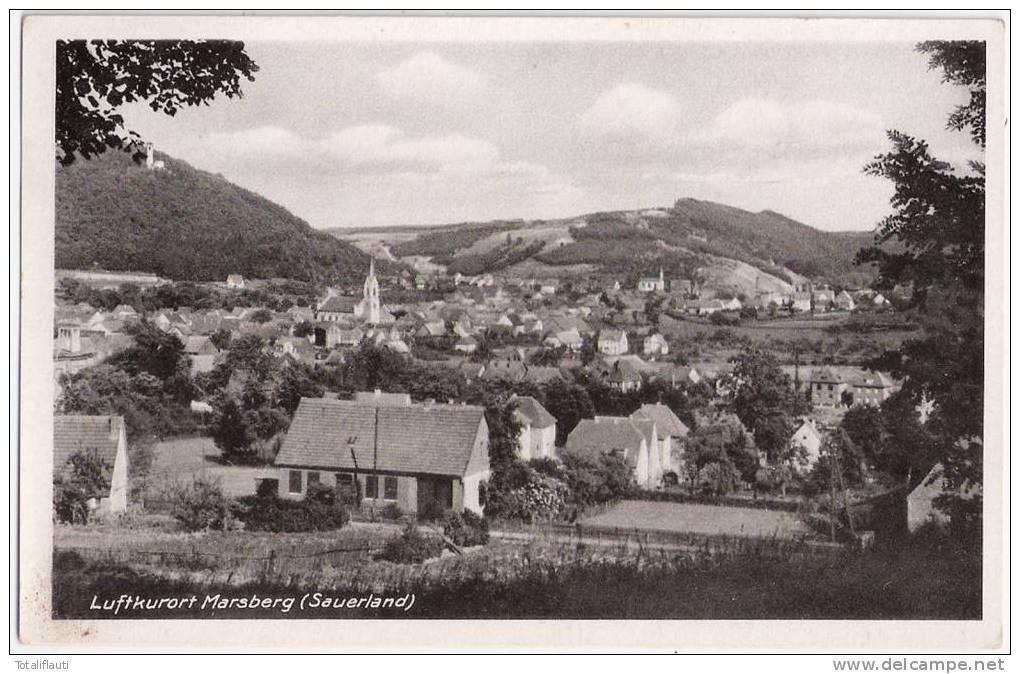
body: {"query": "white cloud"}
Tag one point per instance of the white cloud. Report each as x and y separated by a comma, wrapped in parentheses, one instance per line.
(263, 141)
(763, 123)
(633, 111)
(429, 78)
(384, 145)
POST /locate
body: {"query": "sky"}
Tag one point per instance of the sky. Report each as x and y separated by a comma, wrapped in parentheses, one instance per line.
(376, 134)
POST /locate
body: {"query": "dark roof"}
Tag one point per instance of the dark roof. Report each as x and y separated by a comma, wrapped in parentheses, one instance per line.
(339, 304)
(417, 438)
(533, 411)
(624, 371)
(828, 376)
(74, 433)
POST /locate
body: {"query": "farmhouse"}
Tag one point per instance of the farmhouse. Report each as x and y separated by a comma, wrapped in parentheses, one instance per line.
(538, 429)
(808, 438)
(104, 435)
(681, 375)
(423, 457)
(203, 353)
(623, 375)
(613, 342)
(235, 281)
(656, 345)
(613, 435)
(844, 302)
(872, 388)
(828, 388)
(801, 301)
(70, 353)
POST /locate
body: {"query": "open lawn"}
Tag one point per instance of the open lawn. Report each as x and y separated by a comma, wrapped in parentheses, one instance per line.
(693, 518)
(182, 460)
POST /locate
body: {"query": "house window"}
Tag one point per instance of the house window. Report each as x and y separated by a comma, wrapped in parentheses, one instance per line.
(390, 488)
(372, 486)
(294, 482)
(313, 477)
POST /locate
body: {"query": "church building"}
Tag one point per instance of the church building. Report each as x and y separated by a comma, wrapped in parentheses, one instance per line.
(337, 308)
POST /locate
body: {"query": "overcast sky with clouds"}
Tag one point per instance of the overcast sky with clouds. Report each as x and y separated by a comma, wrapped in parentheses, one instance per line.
(383, 134)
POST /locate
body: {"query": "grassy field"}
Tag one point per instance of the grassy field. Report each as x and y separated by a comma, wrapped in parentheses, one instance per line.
(751, 581)
(695, 518)
(182, 460)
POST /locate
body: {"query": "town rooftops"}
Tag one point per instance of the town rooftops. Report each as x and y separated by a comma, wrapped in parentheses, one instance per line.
(412, 438)
(533, 411)
(75, 433)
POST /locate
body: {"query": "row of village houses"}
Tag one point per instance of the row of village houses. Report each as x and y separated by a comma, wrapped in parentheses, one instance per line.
(83, 343)
(382, 448)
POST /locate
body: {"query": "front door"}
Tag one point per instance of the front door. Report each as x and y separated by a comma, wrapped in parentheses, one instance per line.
(435, 496)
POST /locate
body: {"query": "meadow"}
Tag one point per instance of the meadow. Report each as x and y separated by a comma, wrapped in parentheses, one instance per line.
(753, 579)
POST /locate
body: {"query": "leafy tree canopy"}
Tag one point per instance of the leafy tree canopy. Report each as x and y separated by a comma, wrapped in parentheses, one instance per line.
(96, 77)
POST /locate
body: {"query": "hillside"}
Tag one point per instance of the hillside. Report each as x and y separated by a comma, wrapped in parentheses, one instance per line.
(186, 224)
(728, 246)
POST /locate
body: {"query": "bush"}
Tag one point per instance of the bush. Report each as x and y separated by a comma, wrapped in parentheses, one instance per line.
(319, 511)
(412, 546)
(87, 479)
(466, 529)
(717, 479)
(201, 506)
(595, 478)
(525, 494)
(392, 512)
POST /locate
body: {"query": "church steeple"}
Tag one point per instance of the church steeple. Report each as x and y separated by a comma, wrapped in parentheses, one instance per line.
(371, 295)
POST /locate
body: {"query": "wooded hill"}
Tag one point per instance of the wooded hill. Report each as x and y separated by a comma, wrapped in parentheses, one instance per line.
(186, 224)
(691, 234)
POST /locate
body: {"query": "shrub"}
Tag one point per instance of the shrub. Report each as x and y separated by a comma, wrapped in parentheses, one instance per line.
(319, 511)
(717, 479)
(88, 478)
(200, 506)
(466, 529)
(392, 512)
(525, 494)
(411, 546)
(595, 478)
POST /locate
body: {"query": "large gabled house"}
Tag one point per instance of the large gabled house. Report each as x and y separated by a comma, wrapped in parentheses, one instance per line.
(424, 458)
(612, 435)
(670, 431)
(106, 436)
(808, 438)
(613, 342)
(537, 439)
(203, 353)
